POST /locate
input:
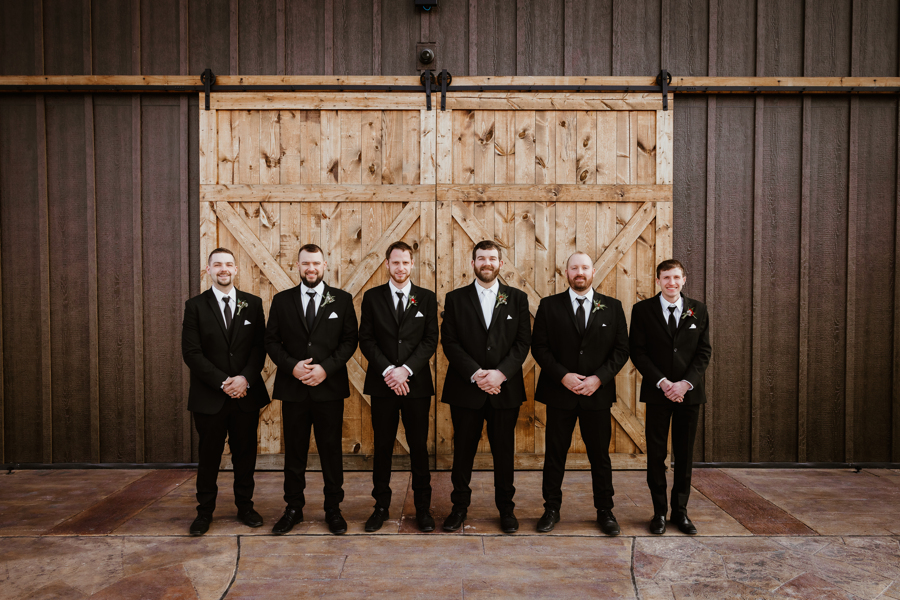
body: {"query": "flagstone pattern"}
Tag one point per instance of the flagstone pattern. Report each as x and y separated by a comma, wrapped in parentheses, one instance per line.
(122, 534)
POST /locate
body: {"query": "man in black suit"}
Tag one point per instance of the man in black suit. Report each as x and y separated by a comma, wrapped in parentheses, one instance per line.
(580, 342)
(670, 347)
(310, 336)
(398, 333)
(485, 335)
(222, 344)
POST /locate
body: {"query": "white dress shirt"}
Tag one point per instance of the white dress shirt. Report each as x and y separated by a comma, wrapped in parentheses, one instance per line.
(588, 304)
(232, 293)
(319, 290)
(679, 305)
(406, 306)
(488, 298)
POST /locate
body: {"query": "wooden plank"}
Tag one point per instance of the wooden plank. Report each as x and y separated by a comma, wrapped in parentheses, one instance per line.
(137, 240)
(428, 147)
(330, 145)
(565, 125)
(555, 193)
(92, 274)
(525, 149)
(535, 462)
(290, 141)
(664, 141)
(852, 210)
(895, 412)
(626, 290)
(484, 153)
(803, 366)
(545, 147)
(586, 148)
(351, 147)
(44, 251)
(357, 377)
(252, 246)
(444, 165)
(606, 148)
(509, 272)
(632, 427)
(708, 411)
(624, 240)
(370, 138)
(392, 147)
(504, 148)
(411, 151)
(607, 230)
(463, 146)
(310, 148)
(375, 255)
(646, 147)
(269, 147)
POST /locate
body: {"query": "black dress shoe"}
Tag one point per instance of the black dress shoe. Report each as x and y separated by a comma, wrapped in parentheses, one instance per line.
(424, 520)
(454, 520)
(200, 524)
(379, 516)
(608, 523)
(508, 523)
(548, 520)
(336, 523)
(250, 518)
(287, 521)
(658, 524)
(684, 524)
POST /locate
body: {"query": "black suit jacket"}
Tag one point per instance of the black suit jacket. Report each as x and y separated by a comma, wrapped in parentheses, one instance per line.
(214, 354)
(656, 354)
(330, 343)
(470, 346)
(559, 349)
(412, 342)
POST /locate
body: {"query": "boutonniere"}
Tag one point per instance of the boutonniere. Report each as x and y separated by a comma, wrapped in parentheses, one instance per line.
(501, 299)
(328, 299)
(688, 313)
(598, 305)
(241, 305)
(412, 301)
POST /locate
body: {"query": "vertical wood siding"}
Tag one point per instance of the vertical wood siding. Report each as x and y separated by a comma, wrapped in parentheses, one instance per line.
(785, 210)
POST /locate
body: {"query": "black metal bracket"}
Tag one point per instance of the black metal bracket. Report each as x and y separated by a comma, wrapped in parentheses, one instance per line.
(444, 79)
(208, 79)
(428, 80)
(663, 80)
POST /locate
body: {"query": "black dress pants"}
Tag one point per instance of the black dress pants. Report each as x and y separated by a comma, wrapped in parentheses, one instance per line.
(684, 430)
(326, 419)
(596, 430)
(501, 430)
(386, 414)
(240, 429)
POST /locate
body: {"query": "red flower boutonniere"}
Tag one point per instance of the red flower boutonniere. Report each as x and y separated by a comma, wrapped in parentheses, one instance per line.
(689, 313)
(501, 299)
(598, 305)
(412, 301)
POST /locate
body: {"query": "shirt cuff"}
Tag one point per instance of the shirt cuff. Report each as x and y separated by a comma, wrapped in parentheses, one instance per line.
(660, 381)
(691, 386)
(385, 372)
(408, 369)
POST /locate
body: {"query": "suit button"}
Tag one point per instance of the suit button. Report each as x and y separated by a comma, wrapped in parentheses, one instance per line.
(676, 349)
(309, 344)
(231, 354)
(489, 347)
(399, 341)
(581, 352)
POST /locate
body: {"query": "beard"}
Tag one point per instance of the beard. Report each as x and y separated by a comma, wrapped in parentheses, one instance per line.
(312, 284)
(581, 285)
(490, 276)
(400, 278)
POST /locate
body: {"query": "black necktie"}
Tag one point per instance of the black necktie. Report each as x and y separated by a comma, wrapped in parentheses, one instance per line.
(673, 327)
(399, 307)
(579, 315)
(311, 309)
(225, 299)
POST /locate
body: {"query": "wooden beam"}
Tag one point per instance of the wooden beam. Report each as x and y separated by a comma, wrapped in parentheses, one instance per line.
(632, 426)
(255, 249)
(137, 277)
(555, 193)
(803, 341)
(375, 256)
(758, 343)
(850, 348)
(624, 240)
(315, 193)
(575, 461)
(895, 412)
(513, 100)
(44, 251)
(92, 275)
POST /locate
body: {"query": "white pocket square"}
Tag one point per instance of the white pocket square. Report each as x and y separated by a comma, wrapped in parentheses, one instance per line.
(692, 327)
(419, 314)
(604, 324)
(246, 322)
(509, 317)
(333, 316)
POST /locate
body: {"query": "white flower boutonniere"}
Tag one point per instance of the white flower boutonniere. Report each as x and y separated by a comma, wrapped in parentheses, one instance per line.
(688, 314)
(241, 304)
(598, 305)
(328, 299)
(501, 299)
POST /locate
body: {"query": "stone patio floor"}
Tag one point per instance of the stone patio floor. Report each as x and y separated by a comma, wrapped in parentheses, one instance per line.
(122, 534)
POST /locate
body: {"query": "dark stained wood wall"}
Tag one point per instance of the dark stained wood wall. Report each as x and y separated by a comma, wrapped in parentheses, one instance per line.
(785, 207)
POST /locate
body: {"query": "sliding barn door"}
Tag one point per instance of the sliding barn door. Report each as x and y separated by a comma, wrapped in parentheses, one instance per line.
(351, 177)
(542, 174)
(545, 175)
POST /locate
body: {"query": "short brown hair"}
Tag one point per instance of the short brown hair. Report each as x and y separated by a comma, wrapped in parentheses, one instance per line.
(311, 248)
(668, 265)
(398, 245)
(578, 253)
(219, 251)
(487, 245)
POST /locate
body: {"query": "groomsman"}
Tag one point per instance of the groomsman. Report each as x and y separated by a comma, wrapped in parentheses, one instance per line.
(398, 333)
(580, 342)
(310, 336)
(222, 345)
(485, 335)
(670, 347)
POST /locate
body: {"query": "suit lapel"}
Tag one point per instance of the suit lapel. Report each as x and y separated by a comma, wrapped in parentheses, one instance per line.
(500, 310)
(686, 303)
(214, 305)
(590, 308)
(322, 309)
(657, 310)
(410, 307)
(298, 301)
(565, 304)
(476, 301)
(236, 321)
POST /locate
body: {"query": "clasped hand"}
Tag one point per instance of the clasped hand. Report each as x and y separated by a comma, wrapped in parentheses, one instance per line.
(582, 385)
(308, 373)
(236, 387)
(674, 391)
(489, 380)
(396, 380)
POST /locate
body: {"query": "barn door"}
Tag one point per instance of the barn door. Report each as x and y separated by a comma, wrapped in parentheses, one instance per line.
(279, 171)
(543, 176)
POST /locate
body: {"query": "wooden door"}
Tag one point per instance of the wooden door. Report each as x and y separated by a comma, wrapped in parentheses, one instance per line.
(541, 174)
(543, 180)
(352, 179)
